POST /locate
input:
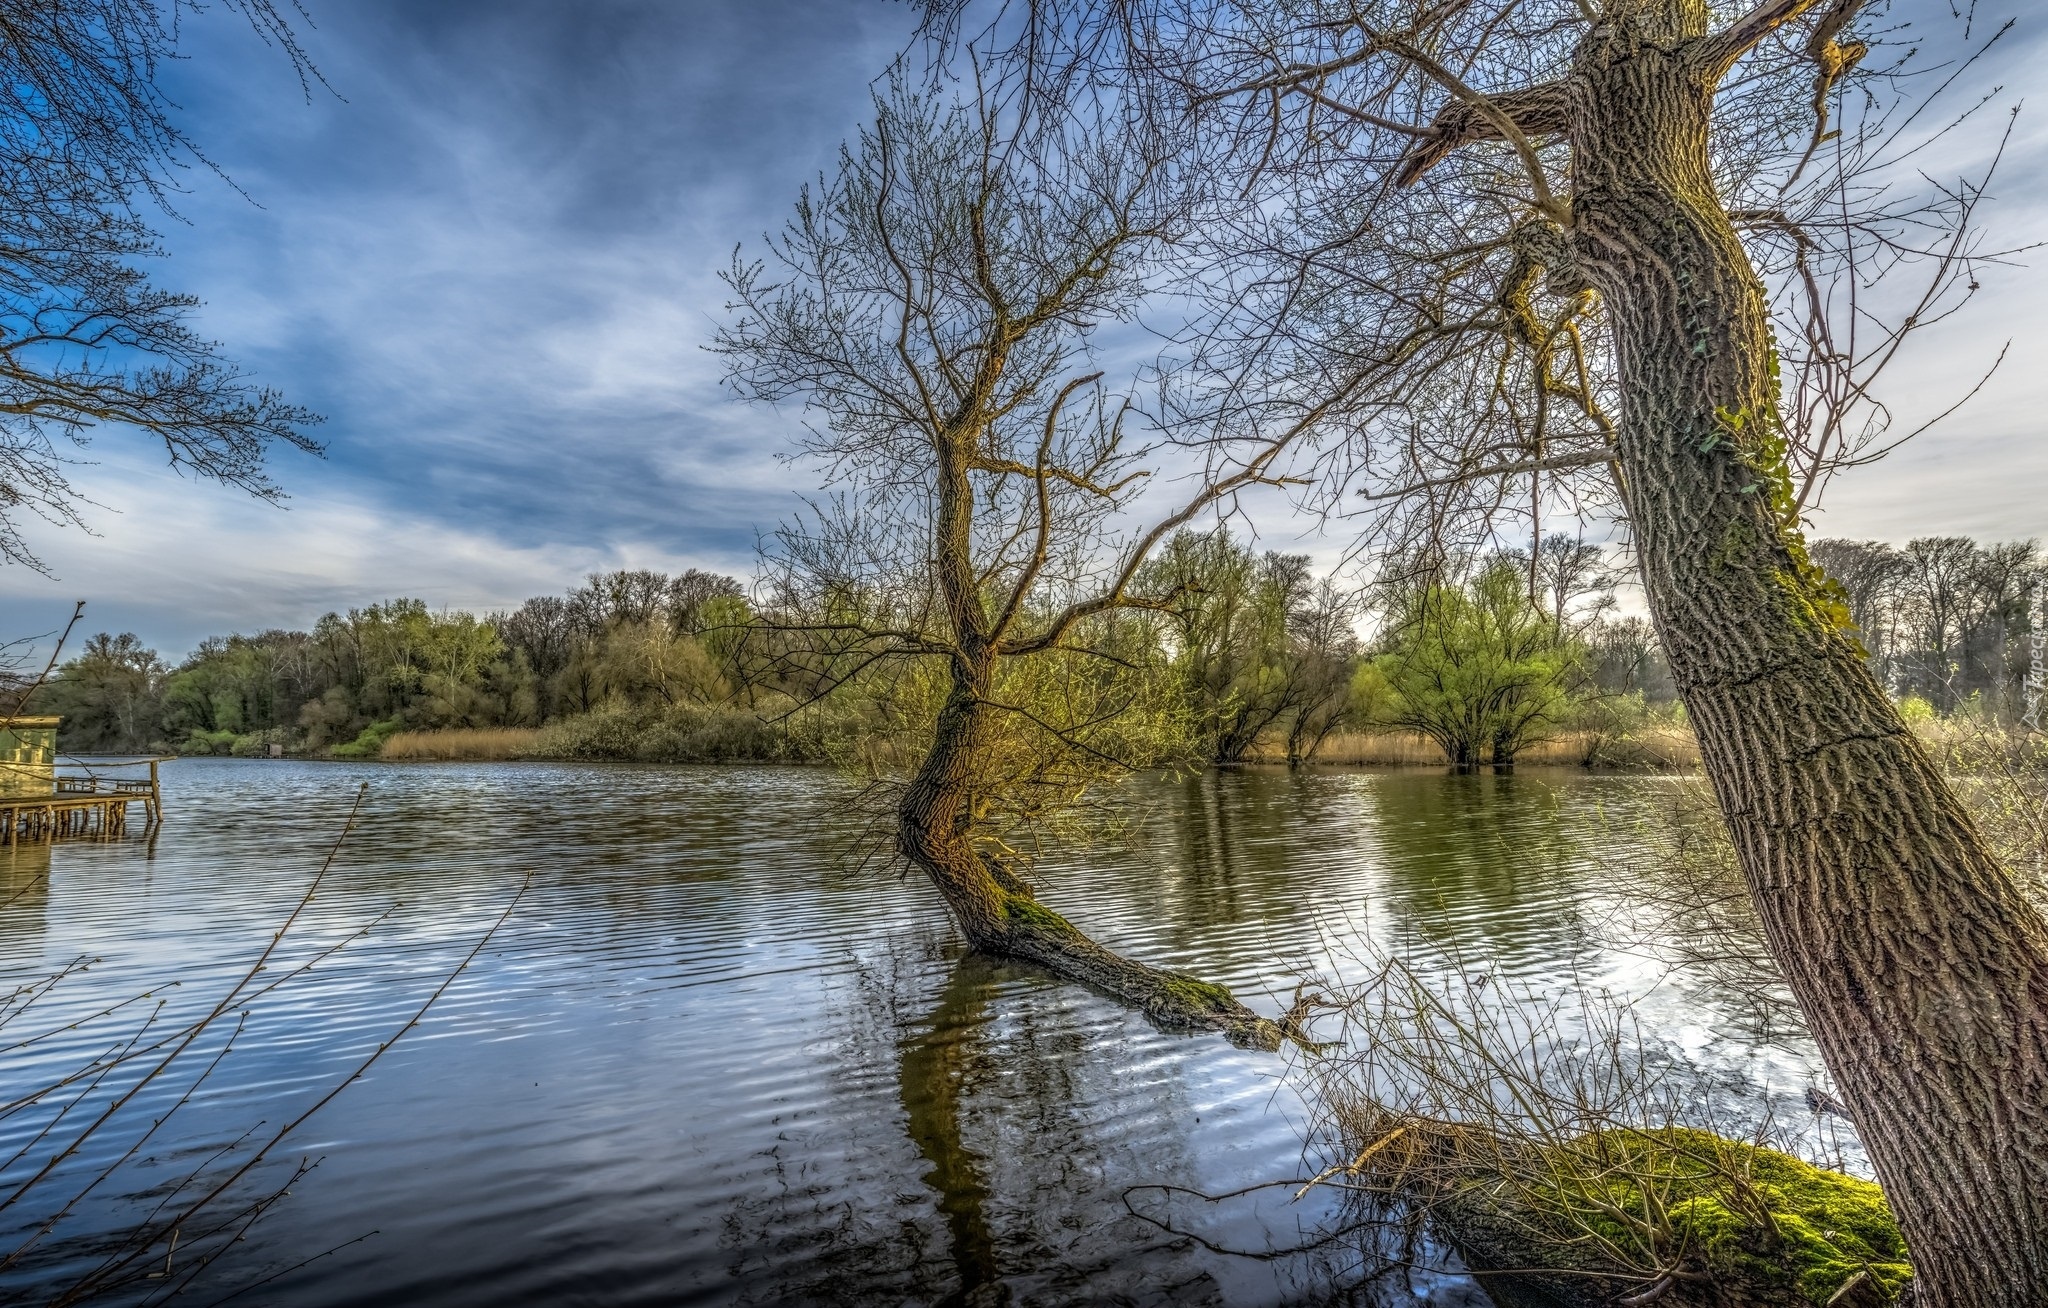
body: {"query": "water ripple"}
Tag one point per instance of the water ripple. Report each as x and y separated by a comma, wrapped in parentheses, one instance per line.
(702, 1064)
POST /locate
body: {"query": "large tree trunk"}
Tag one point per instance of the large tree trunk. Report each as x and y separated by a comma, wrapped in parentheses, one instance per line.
(1920, 967)
(997, 910)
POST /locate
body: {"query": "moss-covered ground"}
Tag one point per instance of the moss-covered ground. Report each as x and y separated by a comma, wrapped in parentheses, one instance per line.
(1758, 1226)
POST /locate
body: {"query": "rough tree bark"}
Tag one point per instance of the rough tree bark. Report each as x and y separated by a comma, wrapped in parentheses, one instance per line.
(995, 909)
(1921, 968)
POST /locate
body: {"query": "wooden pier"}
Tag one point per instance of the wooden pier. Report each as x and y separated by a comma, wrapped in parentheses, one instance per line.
(93, 806)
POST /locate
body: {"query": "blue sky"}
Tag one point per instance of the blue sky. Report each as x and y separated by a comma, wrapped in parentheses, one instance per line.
(491, 261)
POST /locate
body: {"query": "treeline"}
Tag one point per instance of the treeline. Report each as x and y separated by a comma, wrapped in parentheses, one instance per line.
(1942, 617)
(631, 639)
(1250, 656)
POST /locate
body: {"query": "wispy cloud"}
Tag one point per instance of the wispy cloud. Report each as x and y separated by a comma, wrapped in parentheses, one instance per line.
(492, 262)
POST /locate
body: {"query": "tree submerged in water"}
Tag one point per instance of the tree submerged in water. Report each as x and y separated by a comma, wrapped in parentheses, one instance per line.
(933, 305)
(1476, 667)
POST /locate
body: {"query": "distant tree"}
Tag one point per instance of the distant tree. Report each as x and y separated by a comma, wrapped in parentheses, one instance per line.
(648, 661)
(699, 599)
(1572, 579)
(445, 669)
(1260, 646)
(109, 696)
(1626, 660)
(1476, 667)
(544, 631)
(1941, 618)
(1324, 652)
(2007, 573)
(227, 686)
(607, 599)
(1229, 627)
(1940, 585)
(87, 141)
(727, 627)
(1870, 574)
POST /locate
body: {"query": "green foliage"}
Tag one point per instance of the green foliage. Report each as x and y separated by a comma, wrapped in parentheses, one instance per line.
(1257, 645)
(680, 734)
(209, 742)
(1064, 722)
(257, 743)
(1476, 667)
(370, 741)
(1915, 711)
(110, 696)
(638, 641)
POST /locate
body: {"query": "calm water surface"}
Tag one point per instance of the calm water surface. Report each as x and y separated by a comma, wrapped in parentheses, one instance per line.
(704, 1062)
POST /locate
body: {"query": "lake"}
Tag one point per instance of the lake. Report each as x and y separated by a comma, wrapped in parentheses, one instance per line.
(709, 1058)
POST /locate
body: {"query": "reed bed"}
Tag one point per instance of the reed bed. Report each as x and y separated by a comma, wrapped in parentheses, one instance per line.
(1657, 748)
(468, 744)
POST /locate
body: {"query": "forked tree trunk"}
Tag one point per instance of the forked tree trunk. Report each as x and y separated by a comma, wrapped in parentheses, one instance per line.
(1920, 967)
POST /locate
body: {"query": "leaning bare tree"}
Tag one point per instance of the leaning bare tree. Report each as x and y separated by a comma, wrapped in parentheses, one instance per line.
(1559, 217)
(934, 306)
(89, 141)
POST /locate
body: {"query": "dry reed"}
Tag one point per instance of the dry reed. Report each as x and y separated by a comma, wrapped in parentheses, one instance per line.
(1661, 748)
(467, 744)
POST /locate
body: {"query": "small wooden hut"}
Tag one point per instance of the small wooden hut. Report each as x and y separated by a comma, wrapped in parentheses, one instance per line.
(28, 757)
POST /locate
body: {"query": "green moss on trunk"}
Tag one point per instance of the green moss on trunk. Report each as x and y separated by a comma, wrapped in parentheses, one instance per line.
(1032, 915)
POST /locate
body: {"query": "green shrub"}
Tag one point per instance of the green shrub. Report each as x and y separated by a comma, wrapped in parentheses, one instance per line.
(370, 742)
(1914, 711)
(678, 735)
(209, 742)
(257, 743)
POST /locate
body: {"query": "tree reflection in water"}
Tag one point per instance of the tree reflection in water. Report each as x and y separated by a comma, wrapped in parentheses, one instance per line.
(938, 1067)
(1024, 1108)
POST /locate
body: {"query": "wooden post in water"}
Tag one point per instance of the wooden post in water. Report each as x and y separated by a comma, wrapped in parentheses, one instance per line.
(156, 797)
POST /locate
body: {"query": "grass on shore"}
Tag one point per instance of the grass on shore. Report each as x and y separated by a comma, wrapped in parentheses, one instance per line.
(676, 735)
(1660, 748)
(462, 744)
(1974, 753)
(717, 737)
